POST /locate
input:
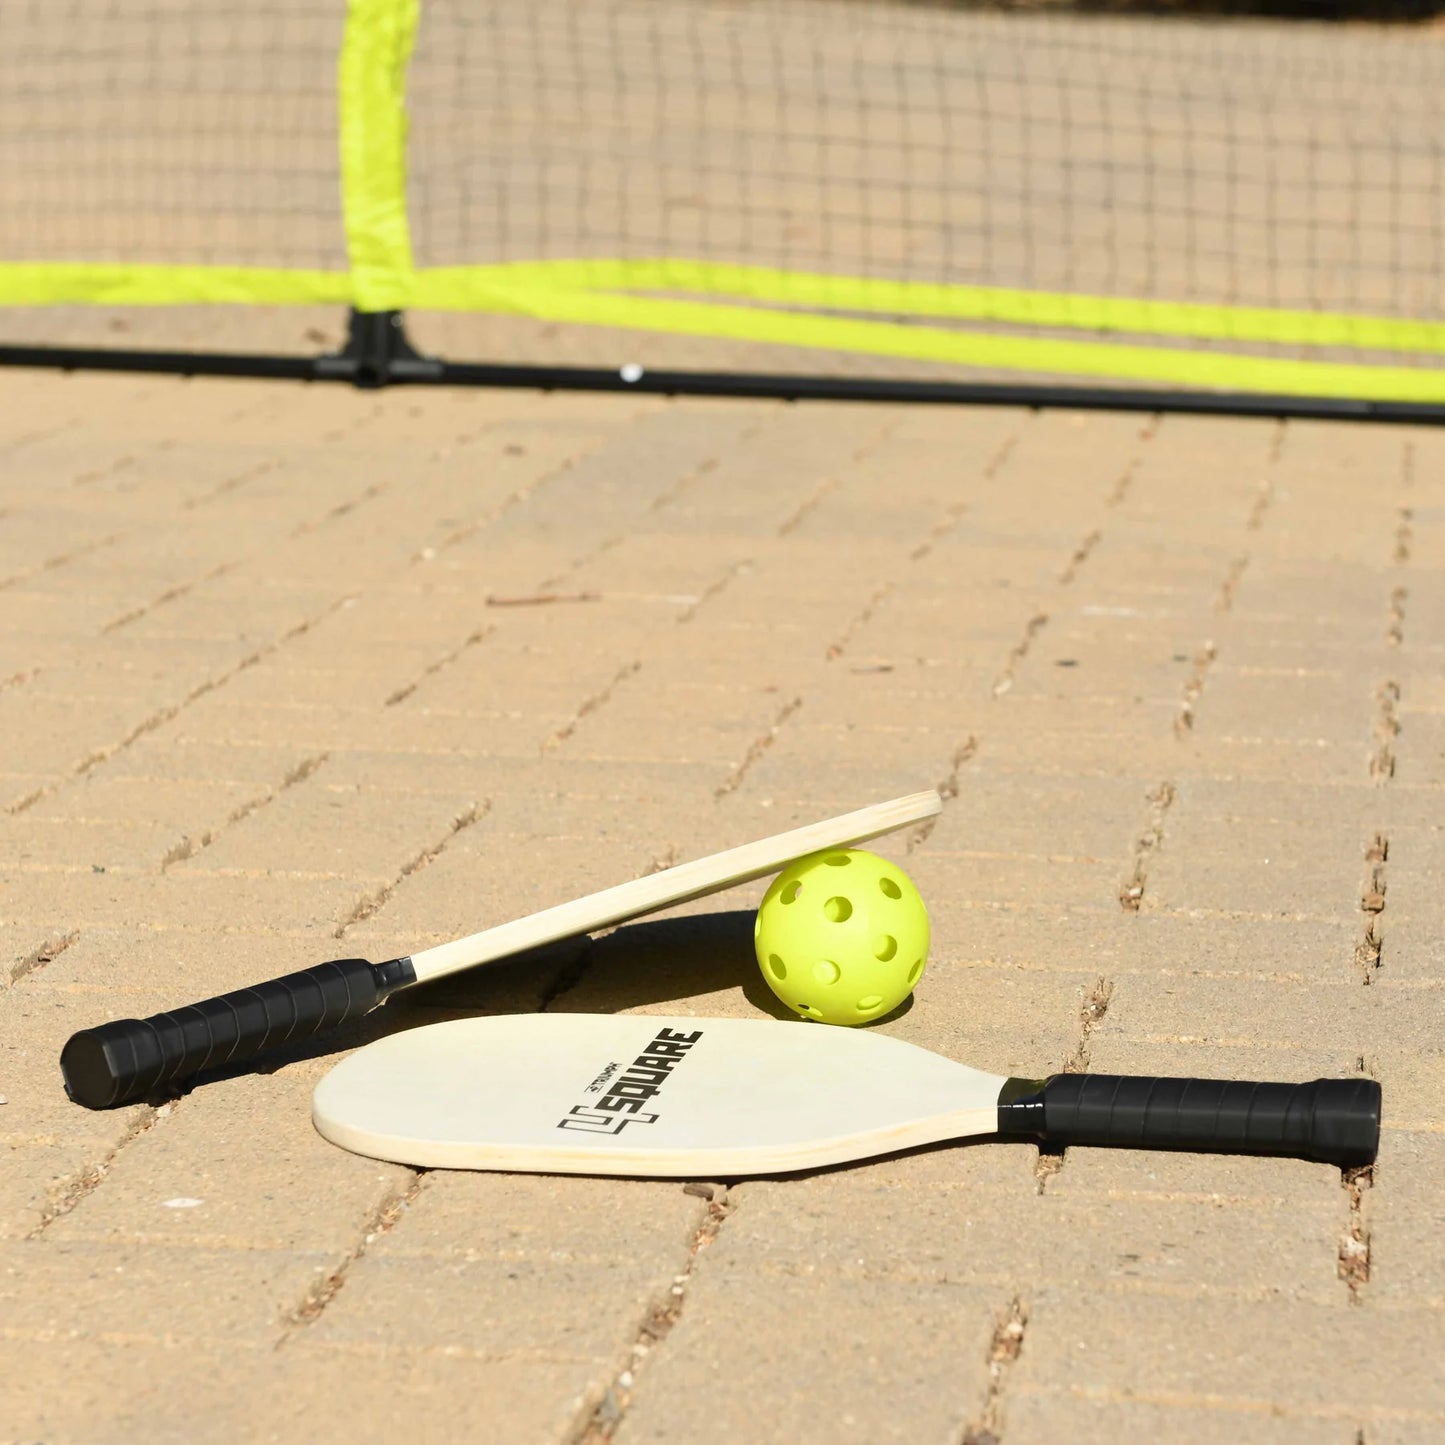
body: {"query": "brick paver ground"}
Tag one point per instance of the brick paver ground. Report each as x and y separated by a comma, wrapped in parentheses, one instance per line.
(289, 673)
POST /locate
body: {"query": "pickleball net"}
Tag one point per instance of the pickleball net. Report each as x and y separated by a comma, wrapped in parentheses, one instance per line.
(852, 187)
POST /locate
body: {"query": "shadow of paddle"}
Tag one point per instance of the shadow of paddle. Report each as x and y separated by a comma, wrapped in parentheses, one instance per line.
(681, 960)
(659, 961)
(655, 961)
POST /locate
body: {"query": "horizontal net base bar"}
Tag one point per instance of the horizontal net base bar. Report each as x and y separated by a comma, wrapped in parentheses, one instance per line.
(735, 384)
(1154, 343)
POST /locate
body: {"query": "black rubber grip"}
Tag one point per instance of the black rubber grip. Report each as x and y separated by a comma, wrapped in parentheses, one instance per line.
(130, 1057)
(1332, 1121)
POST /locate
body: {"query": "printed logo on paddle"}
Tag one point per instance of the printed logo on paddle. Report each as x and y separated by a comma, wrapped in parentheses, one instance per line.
(625, 1089)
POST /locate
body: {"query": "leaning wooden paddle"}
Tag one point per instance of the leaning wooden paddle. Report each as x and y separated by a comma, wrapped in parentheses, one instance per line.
(127, 1058)
(705, 1098)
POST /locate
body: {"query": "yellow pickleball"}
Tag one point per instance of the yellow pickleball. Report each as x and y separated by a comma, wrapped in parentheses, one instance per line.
(842, 936)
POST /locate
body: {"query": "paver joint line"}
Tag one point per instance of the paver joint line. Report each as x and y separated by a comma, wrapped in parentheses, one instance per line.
(599, 1423)
(757, 748)
(1146, 844)
(372, 903)
(1004, 1348)
(386, 1217)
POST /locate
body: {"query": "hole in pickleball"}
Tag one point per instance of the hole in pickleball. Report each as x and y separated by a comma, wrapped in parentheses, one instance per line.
(885, 947)
(826, 971)
(868, 1003)
(839, 910)
(837, 860)
(915, 971)
(779, 968)
(791, 891)
(890, 888)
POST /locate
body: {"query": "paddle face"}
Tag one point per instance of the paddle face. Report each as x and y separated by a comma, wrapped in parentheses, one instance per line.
(646, 1096)
(694, 879)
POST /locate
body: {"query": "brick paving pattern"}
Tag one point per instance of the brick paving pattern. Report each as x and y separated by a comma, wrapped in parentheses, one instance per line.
(291, 673)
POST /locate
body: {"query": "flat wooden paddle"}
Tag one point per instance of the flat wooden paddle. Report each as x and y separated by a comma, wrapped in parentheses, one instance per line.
(127, 1058)
(704, 1098)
